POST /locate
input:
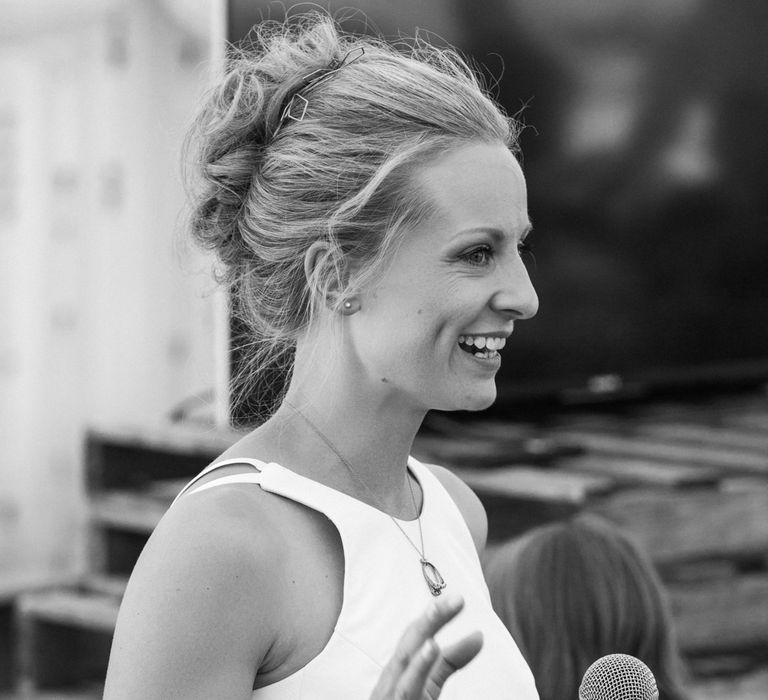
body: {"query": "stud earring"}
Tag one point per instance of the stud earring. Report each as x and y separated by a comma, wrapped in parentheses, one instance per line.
(350, 306)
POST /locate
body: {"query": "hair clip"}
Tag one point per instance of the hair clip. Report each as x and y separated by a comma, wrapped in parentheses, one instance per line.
(312, 80)
(288, 111)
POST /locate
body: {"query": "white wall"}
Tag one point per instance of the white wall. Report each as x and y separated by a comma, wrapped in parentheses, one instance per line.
(104, 317)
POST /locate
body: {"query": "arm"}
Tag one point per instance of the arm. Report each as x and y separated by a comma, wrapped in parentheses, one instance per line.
(203, 607)
(195, 620)
(468, 503)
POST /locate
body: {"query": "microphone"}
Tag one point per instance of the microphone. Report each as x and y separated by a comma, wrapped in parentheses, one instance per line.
(618, 677)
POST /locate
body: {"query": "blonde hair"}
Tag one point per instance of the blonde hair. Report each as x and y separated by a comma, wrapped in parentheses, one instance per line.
(572, 592)
(266, 189)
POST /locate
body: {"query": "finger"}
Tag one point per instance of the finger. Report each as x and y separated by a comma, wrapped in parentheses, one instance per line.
(452, 658)
(419, 631)
(424, 627)
(413, 682)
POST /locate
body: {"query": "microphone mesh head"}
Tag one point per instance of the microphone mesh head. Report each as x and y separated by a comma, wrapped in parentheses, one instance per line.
(618, 677)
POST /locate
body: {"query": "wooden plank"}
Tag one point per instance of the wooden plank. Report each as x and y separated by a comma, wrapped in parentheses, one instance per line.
(699, 571)
(741, 403)
(118, 549)
(8, 646)
(722, 615)
(165, 489)
(708, 436)
(81, 691)
(104, 584)
(664, 451)
(752, 422)
(127, 510)
(64, 639)
(486, 428)
(693, 523)
(722, 665)
(750, 414)
(635, 470)
(747, 686)
(71, 608)
(712, 410)
(168, 437)
(97, 545)
(510, 517)
(124, 457)
(468, 451)
(13, 583)
(534, 483)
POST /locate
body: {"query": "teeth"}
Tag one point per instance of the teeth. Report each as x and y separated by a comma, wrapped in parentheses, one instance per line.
(483, 342)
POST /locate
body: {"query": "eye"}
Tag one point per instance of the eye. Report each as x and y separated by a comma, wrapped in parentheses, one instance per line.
(478, 256)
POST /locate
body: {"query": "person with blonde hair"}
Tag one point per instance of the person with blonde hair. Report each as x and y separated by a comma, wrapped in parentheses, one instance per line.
(572, 592)
(369, 216)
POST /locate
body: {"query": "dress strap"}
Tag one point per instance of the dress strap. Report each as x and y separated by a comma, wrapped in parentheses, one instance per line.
(254, 477)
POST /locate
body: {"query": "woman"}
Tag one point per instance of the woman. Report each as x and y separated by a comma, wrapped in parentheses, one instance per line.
(369, 215)
(575, 591)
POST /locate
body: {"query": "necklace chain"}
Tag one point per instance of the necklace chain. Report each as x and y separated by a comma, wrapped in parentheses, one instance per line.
(435, 581)
(365, 486)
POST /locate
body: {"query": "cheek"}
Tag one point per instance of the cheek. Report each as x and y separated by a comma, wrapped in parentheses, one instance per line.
(414, 322)
(432, 327)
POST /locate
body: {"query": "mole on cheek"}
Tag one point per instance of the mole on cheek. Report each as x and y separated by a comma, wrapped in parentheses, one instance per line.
(385, 380)
(418, 311)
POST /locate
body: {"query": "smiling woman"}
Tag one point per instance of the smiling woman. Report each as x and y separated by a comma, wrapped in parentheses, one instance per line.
(369, 215)
(459, 275)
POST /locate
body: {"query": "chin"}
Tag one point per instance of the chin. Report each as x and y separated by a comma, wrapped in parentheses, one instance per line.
(476, 401)
(481, 405)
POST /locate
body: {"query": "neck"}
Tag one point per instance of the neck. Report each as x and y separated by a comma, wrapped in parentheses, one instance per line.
(362, 429)
(352, 439)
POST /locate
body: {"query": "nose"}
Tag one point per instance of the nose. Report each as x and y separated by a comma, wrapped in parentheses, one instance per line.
(515, 296)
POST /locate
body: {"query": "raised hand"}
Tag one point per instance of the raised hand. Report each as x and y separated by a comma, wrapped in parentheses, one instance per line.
(419, 668)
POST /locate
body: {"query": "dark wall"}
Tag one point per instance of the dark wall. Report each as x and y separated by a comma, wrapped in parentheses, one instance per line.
(646, 154)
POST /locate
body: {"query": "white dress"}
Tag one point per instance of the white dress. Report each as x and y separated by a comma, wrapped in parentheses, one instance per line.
(384, 590)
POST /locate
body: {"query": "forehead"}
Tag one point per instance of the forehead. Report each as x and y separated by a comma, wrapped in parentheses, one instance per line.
(476, 185)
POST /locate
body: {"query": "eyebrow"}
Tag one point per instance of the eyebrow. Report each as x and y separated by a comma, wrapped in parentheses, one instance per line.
(499, 234)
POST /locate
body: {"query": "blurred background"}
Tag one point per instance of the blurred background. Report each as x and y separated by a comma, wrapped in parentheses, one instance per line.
(646, 155)
(105, 313)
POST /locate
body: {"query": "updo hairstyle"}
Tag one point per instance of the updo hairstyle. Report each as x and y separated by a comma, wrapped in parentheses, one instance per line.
(265, 188)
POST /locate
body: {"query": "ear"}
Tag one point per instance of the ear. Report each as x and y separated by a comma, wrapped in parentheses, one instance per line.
(318, 262)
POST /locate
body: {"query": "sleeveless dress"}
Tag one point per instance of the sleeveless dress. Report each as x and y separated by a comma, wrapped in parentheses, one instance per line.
(384, 590)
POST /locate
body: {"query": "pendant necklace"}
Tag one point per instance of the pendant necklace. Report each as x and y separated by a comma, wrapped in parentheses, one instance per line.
(435, 582)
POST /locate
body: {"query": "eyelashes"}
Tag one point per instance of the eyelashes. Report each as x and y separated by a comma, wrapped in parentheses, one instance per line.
(478, 257)
(482, 255)
(525, 251)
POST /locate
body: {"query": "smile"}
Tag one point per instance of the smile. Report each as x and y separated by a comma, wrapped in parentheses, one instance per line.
(481, 346)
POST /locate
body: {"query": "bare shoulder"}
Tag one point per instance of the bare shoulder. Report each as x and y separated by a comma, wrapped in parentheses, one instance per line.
(198, 615)
(468, 503)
